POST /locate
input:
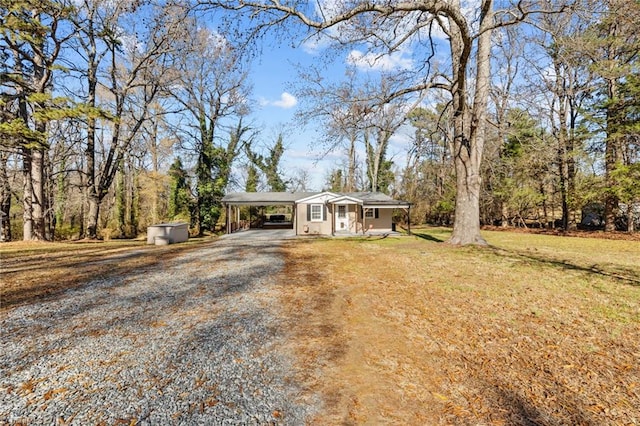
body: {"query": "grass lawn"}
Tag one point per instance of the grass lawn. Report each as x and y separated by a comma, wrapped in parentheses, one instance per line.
(535, 329)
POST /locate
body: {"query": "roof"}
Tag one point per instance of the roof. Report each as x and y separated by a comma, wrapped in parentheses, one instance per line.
(318, 197)
(265, 198)
(369, 199)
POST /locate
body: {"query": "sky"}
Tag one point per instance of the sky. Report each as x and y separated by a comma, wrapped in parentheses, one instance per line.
(273, 76)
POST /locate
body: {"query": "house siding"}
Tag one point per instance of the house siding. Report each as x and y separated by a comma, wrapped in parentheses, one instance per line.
(304, 227)
(380, 224)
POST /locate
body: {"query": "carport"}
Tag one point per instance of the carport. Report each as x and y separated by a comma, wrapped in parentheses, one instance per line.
(234, 201)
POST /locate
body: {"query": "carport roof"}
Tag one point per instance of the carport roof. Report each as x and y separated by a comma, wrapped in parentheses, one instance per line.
(368, 199)
(265, 198)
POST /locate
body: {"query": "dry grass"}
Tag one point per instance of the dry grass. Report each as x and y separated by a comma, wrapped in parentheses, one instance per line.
(35, 270)
(535, 330)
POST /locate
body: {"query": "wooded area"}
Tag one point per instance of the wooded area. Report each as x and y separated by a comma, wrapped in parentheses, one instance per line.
(116, 115)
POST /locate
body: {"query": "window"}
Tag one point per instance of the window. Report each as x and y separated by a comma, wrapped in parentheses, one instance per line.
(316, 212)
(342, 212)
(371, 213)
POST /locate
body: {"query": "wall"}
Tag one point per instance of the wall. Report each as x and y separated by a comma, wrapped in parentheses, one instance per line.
(314, 228)
(382, 223)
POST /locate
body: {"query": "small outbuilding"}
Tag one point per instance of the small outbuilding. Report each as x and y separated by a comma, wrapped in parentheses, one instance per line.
(167, 233)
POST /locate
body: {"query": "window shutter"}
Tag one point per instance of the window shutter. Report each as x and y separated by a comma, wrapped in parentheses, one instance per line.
(308, 212)
(376, 213)
(324, 212)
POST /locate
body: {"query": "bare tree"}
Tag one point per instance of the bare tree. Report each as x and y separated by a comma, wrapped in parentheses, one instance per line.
(128, 83)
(565, 84)
(339, 108)
(390, 26)
(210, 87)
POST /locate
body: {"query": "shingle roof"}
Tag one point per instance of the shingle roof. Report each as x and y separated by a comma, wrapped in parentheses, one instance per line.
(284, 198)
(268, 198)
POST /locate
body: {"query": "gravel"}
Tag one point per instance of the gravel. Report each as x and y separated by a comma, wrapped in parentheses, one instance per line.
(197, 340)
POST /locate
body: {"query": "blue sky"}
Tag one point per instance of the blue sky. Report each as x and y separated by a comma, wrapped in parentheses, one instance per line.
(274, 73)
(273, 76)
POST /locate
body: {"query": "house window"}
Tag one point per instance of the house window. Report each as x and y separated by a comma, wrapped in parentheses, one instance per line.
(371, 213)
(316, 212)
(342, 212)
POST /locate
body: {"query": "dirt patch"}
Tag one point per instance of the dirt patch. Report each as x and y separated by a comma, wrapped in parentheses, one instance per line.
(411, 331)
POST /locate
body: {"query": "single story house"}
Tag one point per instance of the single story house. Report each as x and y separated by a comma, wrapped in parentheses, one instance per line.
(318, 213)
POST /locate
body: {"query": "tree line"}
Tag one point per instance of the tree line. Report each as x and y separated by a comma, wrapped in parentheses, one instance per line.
(549, 138)
(97, 99)
(116, 115)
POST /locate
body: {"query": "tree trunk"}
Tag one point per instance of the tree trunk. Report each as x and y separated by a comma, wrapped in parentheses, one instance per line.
(5, 200)
(563, 166)
(468, 145)
(466, 225)
(38, 195)
(545, 211)
(612, 154)
(351, 171)
(134, 201)
(27, 195)
(611, 203)
(92, 216)
(41, 78)
(121, 201)
(61, 195)
(50, 192)
(155, 198)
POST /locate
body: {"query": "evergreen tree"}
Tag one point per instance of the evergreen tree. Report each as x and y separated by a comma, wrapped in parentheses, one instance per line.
(252, 179)
(270, 165)
(179, 193)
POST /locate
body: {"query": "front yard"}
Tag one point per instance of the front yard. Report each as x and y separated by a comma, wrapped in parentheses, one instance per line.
(533, 330)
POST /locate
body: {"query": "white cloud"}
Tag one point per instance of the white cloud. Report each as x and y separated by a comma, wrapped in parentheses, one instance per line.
(286, 101)
(379, 62)
(316, 43)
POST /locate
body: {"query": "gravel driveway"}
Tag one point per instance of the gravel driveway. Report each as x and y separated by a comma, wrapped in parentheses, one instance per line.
(196, 341)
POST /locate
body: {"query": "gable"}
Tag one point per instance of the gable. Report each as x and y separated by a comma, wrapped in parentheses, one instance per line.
(346, 199)
(320, 198)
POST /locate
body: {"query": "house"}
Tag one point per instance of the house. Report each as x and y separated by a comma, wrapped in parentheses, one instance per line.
(316, 213)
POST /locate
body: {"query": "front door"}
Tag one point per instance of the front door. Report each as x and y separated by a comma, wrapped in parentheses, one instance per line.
(342, 219)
